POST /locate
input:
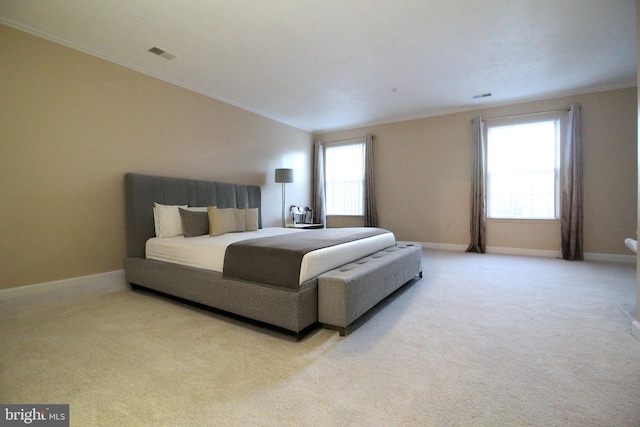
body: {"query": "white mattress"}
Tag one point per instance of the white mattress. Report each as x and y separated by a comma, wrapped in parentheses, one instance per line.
(208, 252)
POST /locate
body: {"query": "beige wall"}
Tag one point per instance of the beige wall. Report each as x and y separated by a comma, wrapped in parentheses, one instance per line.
(337, 221)
(71, 126)
(636, 326)
(423, 176)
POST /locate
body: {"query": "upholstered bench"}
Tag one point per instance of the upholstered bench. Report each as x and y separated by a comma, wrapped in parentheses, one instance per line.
(347, 292)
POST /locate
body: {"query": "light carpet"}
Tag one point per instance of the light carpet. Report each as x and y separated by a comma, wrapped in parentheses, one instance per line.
(481, 340)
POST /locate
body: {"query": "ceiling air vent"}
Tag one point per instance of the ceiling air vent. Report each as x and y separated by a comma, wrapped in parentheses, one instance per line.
(161, 52)
(483, 95)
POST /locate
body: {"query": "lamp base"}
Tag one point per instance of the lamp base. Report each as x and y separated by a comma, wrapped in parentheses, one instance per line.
(283, 199)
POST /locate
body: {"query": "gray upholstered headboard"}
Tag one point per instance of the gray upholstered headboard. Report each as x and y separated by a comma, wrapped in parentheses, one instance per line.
(142, 190)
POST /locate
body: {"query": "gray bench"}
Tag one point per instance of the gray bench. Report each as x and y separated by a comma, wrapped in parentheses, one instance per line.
(347, 292)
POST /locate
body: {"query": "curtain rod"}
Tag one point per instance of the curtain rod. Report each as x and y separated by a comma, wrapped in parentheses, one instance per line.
(350, 139)
(526, 114)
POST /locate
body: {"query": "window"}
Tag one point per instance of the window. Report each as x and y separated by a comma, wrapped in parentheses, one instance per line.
(522, 170)
(344, 178)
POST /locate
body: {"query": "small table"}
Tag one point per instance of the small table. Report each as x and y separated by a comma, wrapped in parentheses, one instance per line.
(304, 226)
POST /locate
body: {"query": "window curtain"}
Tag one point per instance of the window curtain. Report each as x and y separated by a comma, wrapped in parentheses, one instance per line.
(320, 215)
(370, 212)
(571, 214)
(479, 189)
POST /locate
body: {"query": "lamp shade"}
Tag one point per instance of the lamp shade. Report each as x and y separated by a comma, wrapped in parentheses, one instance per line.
(284, 175)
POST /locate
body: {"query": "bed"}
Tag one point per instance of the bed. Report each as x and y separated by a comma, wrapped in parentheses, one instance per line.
(286, 301)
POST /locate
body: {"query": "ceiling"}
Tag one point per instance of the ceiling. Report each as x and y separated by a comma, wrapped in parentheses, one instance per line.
(322, 65)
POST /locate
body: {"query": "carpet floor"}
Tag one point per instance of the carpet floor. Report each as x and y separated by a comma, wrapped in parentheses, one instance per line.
(481, 340)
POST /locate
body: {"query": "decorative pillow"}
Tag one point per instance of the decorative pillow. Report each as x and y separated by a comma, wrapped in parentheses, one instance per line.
(251, 219)
(222, 221)
(195, 222)
(238, 215)
(167, 220)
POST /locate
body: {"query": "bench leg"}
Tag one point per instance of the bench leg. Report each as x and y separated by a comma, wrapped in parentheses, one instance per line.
(341, 330)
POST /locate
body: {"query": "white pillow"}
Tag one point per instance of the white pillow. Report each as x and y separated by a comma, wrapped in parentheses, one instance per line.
(167, 220)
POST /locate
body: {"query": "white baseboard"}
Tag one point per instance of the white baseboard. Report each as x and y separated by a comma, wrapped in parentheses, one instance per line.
(635, 329)
(610, 257)
(104, 282)
(493, 250)
(532, 252)
(522, 251)
(444, 246)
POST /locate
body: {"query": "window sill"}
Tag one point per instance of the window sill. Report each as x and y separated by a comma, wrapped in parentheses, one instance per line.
(527, 220)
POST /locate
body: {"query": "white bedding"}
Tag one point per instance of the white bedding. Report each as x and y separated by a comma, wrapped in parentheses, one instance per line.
(208, 252)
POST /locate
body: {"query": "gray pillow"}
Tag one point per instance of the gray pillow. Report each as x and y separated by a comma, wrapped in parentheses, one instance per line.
(194, 223)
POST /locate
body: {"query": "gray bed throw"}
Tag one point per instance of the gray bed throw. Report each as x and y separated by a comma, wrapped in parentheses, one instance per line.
(277, 260)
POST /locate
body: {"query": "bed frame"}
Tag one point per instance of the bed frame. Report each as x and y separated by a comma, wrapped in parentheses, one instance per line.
(344, 294)
(290, 309)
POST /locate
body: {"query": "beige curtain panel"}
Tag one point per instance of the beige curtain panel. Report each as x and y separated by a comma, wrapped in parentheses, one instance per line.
(571, 212)
(479, 190)
(320, 212)
(370, 211)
